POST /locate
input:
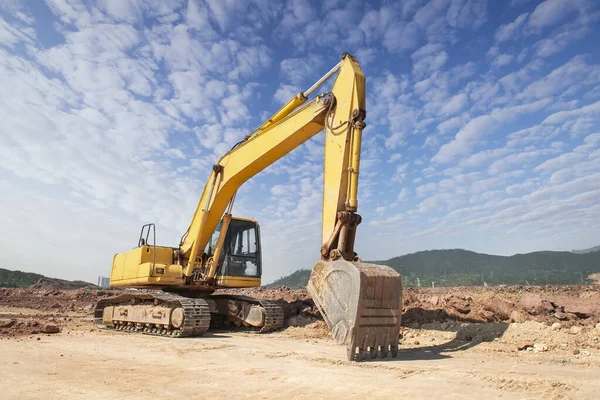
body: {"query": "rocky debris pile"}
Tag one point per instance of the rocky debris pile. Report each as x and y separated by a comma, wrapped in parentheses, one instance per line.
(577, 305)
(559, 307)
(530, 346)
(281, 293)
(306, 328)
(15, 327)
(540, 337)
(60, 301)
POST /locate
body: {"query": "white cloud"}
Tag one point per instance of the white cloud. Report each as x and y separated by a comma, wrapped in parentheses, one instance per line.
(400, 173)
(428, 58)
(510, 31)
(502, 60)
(568, 75)
(10, 36)
(395, 157)
(401, 37)
(403, 194)
(365, 55)
(564, 35)
(561, 116)
(454, 105)
(467, 13)
(285, 93)
(465, 139)
(450, 125)
(551, 12)
(127, 11)
(296, 70)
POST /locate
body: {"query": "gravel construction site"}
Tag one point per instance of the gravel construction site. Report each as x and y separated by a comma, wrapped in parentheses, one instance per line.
(510, 342)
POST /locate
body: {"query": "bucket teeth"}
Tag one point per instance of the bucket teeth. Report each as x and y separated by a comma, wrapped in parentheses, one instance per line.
(384, 351)
(373, 353)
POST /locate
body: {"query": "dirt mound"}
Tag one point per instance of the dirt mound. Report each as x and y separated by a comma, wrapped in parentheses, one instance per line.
(53, 300)
(570, 305)
(281, 293)
(313, 330)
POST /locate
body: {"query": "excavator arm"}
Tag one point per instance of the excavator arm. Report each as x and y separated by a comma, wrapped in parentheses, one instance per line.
(340, 113)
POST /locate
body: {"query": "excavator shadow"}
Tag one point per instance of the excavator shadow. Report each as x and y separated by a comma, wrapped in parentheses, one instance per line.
(213, 334)
(467, 334)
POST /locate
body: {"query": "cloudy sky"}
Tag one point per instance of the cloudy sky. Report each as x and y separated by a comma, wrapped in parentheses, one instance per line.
(482, 119)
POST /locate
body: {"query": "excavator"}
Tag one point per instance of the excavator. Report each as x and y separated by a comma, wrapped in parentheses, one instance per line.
(360, 302)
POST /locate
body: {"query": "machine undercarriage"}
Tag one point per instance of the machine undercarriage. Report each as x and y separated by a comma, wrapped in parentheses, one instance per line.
(169, 314)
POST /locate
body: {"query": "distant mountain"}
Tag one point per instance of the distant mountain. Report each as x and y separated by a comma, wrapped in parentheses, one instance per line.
(460, 267)
(584, 251)
(20, 279)
(297, 280)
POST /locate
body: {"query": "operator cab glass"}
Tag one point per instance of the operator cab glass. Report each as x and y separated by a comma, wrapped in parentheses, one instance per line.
(241, 250)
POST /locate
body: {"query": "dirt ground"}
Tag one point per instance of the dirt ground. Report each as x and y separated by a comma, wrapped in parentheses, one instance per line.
(511, 342)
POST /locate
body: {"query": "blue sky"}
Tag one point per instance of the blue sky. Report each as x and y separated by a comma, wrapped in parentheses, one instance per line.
(482, 122)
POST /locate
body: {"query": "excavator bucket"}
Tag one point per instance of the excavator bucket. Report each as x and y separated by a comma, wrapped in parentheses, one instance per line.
(362, 305)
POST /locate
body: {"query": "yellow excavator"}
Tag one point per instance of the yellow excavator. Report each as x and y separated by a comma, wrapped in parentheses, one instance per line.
(360, 302)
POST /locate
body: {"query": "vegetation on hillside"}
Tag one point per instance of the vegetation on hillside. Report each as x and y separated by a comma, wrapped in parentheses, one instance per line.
(297, 280)
(18, 279)
(459, 267)
(590, 250)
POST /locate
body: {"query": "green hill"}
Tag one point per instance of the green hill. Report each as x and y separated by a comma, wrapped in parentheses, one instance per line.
(459, 267)
(590, 250)
(18, 279)
(297, 280)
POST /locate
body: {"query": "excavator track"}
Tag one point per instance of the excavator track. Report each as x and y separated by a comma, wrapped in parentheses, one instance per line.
(194, 321)
(273, 316)
(235, 307)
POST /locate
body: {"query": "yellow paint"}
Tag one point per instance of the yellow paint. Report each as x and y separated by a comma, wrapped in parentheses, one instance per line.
(237, 281)
(219, 249)
(136, 267)
(286, 110)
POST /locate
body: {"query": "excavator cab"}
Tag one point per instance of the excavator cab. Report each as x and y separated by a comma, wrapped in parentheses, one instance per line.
(239, 262)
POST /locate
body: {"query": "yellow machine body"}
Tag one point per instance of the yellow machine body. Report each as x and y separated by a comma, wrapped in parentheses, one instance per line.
(144, 266)
(154, 266)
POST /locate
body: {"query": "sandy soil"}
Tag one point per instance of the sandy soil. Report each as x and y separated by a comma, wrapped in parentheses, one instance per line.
(522, 343)
(99, 364)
